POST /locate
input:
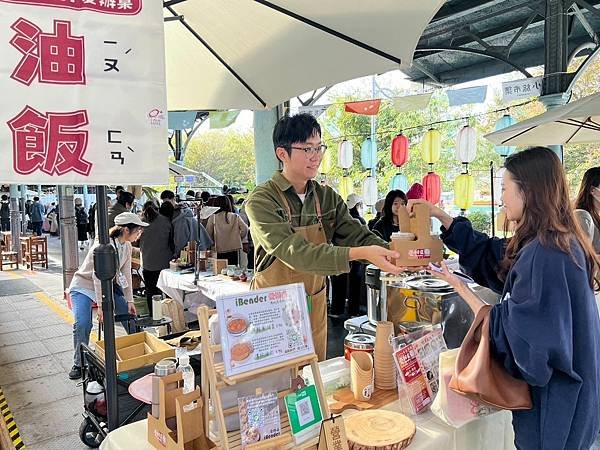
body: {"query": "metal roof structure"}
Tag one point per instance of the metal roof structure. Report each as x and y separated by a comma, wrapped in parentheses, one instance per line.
(474, 39)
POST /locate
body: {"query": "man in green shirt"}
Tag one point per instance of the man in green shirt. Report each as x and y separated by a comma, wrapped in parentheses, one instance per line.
(302, 231)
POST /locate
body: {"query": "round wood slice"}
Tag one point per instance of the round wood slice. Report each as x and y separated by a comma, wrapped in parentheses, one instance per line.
(379, 430)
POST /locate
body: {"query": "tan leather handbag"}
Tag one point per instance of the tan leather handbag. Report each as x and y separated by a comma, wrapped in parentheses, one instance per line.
(479, 376)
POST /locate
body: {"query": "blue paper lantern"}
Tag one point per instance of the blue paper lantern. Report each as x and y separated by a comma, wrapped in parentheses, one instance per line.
(399, 181)
(368, 153)
(505, 121)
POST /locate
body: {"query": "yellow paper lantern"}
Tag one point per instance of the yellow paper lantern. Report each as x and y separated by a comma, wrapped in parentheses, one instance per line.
(346, 187)
(431, 146)
(326, 163)
(464, 191)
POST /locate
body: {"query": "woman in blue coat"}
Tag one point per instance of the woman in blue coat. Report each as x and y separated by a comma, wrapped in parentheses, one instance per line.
(546, 329)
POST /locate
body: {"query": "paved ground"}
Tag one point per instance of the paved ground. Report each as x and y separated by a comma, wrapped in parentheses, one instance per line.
(36, 353)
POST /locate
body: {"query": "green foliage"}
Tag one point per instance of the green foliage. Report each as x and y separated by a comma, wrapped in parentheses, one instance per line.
(481, 221)
(227, 156)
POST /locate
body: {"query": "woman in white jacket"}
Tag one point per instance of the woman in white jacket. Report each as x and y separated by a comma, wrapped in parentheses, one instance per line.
(85, 287)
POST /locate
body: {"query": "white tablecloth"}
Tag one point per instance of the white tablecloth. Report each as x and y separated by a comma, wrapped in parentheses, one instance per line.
(180, 287)
(490, 433)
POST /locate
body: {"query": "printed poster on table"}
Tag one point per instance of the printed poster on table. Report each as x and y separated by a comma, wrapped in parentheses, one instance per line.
(259, 418)
(83, 92)
(264, 327)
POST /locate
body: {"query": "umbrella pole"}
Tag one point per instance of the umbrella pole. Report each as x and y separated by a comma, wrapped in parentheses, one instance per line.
(105, 267)
(493, 198)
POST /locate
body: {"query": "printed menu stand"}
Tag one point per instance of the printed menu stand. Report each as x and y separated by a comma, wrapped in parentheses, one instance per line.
(214, 379)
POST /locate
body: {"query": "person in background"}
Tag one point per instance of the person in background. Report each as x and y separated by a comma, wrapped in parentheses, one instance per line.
(388, 223)
(124, 204)
(247, 244)
(588, 205)
(227, 230)
(81, 218)
(415, 192)
(546, 328)
(190, 196)
(378, 208)
(205, 196)
(28, 205)
(37, 216)
(186, 227)
(85, 287)
(349, 286)
(4, 213)
(156, 247)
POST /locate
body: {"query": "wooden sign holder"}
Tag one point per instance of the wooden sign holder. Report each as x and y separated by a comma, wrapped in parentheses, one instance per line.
(214, 380)
(333, 434)
(189, 432)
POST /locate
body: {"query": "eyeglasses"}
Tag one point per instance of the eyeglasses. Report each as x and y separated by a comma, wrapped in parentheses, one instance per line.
(312, 151)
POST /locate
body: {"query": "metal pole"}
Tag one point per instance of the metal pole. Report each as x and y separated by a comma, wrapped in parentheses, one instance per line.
(556, 79)
(23, 189)
(68, 233)
(493, 199)
(373, 136)
(105, 267)
(179, 157)
(15, 221)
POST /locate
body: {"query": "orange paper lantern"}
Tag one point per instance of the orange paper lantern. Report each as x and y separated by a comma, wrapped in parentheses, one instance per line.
(433, 187)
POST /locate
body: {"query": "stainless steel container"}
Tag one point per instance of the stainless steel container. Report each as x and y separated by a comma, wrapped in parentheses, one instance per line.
(164, 367)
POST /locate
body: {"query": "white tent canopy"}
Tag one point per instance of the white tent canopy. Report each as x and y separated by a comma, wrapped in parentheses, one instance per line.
(575, 123)
(177, 169)
(252, 54)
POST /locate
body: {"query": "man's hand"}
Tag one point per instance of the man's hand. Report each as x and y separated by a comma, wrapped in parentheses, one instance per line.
(381, 257)
(100, 314)
(131, 308)
(434, 211)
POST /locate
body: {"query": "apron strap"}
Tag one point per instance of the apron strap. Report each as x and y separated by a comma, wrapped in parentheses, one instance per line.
(285, 202)
(318, 207)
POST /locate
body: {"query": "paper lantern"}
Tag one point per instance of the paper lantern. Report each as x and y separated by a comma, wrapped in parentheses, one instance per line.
(369, 192)
(326, 163)
(466, 145)
(498, 185)
(505, 121)
(368, 153)
(400, 146)
(433, 187)
(431, 146)
(346, 187)
(345, 154)
(399, 181)
(464, 191)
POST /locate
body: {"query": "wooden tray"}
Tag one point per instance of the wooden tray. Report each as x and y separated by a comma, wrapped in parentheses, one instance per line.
(379, 430)
(344, 399)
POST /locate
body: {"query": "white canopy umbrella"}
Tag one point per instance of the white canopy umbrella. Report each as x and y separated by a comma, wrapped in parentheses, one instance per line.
(179, 170)
(253, 54)
(575, 123)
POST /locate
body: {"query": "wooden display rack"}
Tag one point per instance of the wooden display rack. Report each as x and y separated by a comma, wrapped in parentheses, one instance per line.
(214, 379)
(189, 433)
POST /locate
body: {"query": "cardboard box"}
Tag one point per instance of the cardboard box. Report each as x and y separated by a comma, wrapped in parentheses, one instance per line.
(425, 248)
(218, 265)
(137, 350)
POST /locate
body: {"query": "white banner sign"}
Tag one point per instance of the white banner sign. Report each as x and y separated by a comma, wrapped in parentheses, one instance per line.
(83, 92)
(520, 89)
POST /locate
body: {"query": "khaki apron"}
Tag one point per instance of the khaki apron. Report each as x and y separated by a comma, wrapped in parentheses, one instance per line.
(279, 273)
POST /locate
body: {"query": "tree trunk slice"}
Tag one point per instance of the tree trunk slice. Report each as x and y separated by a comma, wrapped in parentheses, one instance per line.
(379, 430)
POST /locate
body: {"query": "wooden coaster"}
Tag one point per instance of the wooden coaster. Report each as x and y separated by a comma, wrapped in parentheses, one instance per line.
(379, 429)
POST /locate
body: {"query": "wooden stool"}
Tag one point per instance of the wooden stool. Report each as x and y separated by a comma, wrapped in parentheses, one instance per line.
(7, 238)
(9, 259)
(35, 251)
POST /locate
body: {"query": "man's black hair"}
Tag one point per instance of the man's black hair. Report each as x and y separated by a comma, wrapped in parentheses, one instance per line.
(125, 197)
(4, 197)
(167, 195)
(298, 128)
(35, 199)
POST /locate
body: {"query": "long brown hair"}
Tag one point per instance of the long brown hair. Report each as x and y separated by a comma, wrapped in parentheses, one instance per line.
(585, 200)
(547, 211)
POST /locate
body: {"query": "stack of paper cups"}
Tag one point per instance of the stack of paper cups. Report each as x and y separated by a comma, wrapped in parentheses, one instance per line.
(385, 371)
(361, 375)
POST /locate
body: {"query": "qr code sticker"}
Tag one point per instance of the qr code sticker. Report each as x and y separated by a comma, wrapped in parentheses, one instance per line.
(305, 411)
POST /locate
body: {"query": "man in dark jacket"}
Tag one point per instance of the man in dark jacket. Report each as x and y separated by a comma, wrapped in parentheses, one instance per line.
(37, 216)
(124, 204)
(5, 213)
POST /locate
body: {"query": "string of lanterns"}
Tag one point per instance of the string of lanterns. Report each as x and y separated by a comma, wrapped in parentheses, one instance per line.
(465, 153)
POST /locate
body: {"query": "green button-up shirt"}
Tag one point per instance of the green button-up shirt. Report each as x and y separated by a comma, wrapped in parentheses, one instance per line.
(274, 237)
